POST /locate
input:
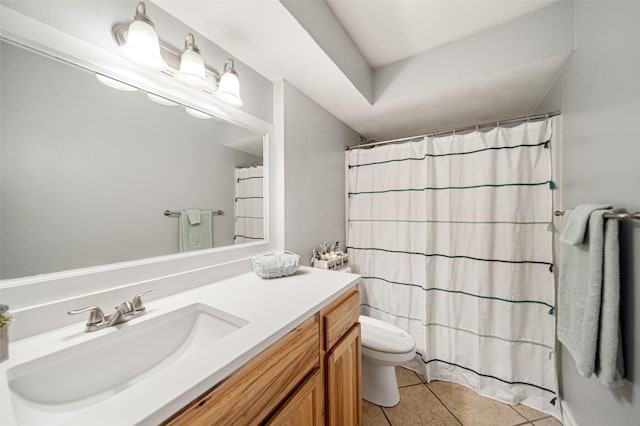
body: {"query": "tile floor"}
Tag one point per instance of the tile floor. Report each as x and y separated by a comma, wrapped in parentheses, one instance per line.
(444, 403)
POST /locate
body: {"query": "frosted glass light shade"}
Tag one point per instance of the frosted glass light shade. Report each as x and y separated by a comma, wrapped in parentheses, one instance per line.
(229, 89)
(197, 114)
(192, 71)
(160, 100)
(143, 46)
(115, 84)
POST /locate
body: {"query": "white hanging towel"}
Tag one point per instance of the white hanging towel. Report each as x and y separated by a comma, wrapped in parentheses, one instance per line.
(589, 294)
(196, 231)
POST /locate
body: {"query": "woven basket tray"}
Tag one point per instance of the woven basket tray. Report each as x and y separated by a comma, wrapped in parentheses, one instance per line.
(275, 265)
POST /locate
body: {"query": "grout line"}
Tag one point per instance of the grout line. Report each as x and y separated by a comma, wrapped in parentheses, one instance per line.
(408, 386)
(443, 404)
(541, 418)
(530, 421)
(385, 416)
(526, 420)
(418, 376)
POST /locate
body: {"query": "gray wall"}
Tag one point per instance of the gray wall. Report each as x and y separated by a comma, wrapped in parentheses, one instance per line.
(86, 170)
(314, 143)
(599, 95)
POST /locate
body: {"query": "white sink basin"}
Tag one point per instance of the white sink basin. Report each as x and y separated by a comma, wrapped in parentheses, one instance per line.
(83, 375)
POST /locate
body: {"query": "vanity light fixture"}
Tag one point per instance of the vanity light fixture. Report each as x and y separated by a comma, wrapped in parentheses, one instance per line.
(140, 43)
(115, 84)
(192, 71)
(198, 114)
(229, 87)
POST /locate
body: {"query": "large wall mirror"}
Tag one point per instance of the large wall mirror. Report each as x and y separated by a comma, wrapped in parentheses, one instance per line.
(88, 171)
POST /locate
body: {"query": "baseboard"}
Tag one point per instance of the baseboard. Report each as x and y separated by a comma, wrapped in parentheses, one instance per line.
(567, 416)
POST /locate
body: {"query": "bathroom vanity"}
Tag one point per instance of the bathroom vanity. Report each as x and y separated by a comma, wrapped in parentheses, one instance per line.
(216, 343)
(290, 382)
(241, 350)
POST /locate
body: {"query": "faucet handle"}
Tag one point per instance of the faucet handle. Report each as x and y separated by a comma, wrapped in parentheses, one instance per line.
(137, 302)
(96, 316)
(125, 308)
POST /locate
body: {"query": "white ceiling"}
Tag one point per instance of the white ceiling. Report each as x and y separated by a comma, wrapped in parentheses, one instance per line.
(495, 59)
(391, 30)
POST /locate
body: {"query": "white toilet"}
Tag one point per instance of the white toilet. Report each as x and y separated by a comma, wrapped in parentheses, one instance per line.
(383, 347)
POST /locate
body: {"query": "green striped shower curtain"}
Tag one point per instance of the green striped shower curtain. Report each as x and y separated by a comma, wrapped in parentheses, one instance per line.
(453, 240)
(249, 206)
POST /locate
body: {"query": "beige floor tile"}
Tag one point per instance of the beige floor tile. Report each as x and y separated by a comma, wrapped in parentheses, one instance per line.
(549, 421)
(529, 413)
(418, 406)
(407, 377)
(473, 409)
(372, 415)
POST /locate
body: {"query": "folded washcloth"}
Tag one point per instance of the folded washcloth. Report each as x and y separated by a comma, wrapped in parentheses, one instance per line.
(194, 216)
(574, 224)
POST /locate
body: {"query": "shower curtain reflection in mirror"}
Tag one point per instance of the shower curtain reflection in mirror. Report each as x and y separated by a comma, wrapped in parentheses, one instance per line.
(249, 205)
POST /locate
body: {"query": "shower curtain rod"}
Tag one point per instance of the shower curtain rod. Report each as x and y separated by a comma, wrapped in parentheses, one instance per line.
(491, 124)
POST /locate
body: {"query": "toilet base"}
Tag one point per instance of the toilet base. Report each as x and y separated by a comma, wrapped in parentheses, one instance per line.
(380, 384)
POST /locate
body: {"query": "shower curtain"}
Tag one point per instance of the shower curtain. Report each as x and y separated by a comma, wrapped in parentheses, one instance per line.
(452, 237)
(249, 211)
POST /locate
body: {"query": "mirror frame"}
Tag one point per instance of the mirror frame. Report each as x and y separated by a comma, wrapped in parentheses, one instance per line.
(21, 293)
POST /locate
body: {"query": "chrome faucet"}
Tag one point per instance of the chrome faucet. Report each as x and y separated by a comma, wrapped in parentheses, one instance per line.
(123, 313)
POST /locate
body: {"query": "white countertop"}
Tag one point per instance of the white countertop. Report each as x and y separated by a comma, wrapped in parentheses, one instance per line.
(272, 308)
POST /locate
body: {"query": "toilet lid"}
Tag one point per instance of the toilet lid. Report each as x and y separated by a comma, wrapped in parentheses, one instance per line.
(384, 337)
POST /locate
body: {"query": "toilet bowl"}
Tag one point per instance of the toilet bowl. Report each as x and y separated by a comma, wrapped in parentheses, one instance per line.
(383, 347)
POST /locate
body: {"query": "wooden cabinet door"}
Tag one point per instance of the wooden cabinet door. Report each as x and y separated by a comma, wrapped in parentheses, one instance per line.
(342, 385)
(250, 394)
(304, 407)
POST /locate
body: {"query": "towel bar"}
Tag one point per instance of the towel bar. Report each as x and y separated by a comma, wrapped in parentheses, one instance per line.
(213, 212)
(618, 216)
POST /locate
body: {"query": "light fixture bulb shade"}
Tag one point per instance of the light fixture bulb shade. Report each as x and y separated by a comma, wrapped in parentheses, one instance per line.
(229, 89)
(192, 71)
(160, 100)
(143, 46)
(115, 84)
(197, 114)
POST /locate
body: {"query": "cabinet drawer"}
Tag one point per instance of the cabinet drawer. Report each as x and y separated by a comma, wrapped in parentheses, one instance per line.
(340, 316)
(257, 389)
